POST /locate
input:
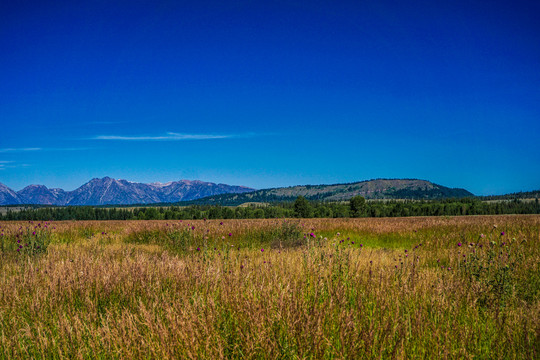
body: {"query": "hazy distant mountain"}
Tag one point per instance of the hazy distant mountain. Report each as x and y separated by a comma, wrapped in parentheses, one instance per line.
(8, 196)
(40, 194)
(370, 189)
(107, 191)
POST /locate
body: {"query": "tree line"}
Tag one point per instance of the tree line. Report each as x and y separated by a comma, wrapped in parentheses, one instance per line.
(300, 208)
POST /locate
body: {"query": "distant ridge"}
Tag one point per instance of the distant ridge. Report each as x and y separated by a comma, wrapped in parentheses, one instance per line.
(369, 189)
(109, 191)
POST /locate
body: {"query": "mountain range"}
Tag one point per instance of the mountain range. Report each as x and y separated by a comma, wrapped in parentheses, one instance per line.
(108, 191)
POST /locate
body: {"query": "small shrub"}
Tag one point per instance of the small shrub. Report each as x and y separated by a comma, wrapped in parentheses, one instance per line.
(288, 235)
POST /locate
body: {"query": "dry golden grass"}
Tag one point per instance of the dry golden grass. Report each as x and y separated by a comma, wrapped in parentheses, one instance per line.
(129, 293)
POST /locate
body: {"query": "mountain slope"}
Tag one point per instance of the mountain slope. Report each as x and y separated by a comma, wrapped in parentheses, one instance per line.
(370, 189)
(8, 196)
(40, 194)
(111, 191)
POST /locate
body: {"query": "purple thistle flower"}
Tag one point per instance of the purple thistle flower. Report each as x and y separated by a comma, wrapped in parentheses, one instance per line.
(193, 228)
(221, 223)
(230, 234)
(502, 233)
(198, 249)
(458, 244)
(262, 250)
(312, 235)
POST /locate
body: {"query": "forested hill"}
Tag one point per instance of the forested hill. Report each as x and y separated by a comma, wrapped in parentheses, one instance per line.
(370, 189)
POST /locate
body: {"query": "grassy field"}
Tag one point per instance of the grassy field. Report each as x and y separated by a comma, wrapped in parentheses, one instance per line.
(435, 288)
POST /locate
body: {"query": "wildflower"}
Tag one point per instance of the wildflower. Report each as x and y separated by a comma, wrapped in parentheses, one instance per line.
(230, 234)
(262, 250)
(482, 236)
(221, 223)
(458, 244)
(34, 233)
(312, 235)
(241, 267)
(502, 233)
(198, 249)
(193, 228)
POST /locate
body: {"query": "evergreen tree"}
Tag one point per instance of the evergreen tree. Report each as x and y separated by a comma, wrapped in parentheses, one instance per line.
(358, 206)
(302, 208)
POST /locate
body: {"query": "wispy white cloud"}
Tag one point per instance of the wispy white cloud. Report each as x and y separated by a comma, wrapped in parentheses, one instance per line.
(15, 150)
(10, 165)
(168, 137)
(8, 150)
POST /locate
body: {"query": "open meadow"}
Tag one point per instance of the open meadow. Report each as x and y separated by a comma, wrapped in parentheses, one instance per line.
(425, 287)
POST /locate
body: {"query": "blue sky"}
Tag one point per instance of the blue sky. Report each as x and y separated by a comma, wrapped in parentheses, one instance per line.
(273, 93)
